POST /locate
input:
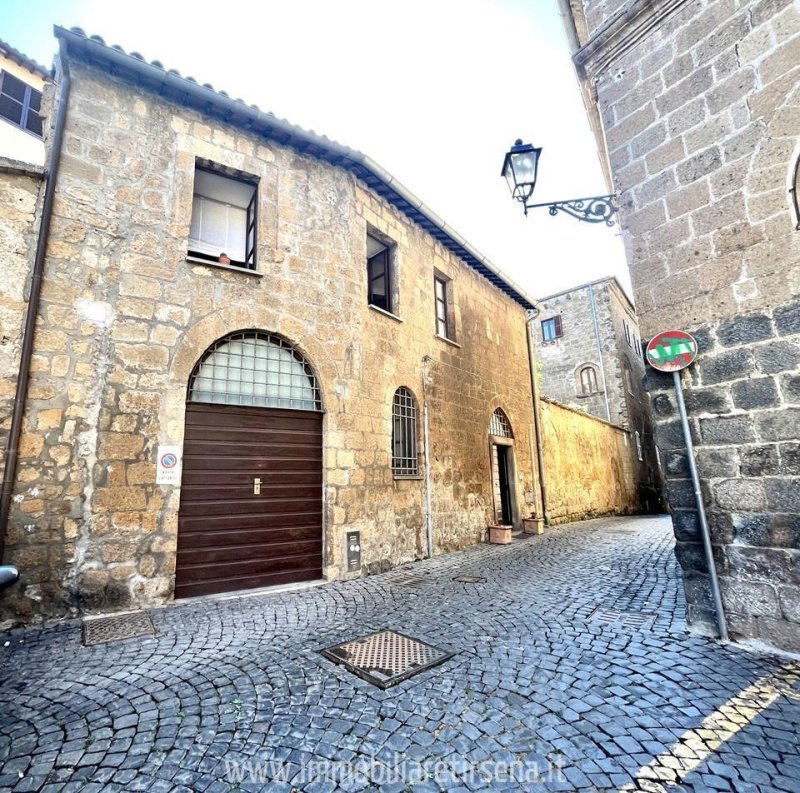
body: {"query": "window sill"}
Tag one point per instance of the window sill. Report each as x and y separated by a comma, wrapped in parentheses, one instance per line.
(447, 341)
(408, 477)
(385, 313)
(231, 268)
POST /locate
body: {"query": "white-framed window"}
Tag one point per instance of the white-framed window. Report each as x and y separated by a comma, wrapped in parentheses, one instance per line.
(638, 439)
(224, 218)
(20, 104)
(587, 380)
(405, 453)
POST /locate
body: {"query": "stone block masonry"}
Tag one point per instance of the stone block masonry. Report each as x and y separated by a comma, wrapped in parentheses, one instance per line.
(700, 109)
(125, 317)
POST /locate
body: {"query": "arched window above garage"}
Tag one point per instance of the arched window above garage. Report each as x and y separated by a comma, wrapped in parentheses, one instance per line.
(257, 369)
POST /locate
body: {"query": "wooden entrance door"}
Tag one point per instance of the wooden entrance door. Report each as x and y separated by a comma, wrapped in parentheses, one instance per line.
(251, 498)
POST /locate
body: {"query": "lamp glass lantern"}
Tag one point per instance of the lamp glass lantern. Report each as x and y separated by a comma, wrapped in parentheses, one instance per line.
(520, 167)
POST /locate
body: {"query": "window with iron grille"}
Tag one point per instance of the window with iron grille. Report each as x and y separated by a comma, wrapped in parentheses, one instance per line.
(499, 425)
(255, 368)
(587, 378)
(224, 218)
(551, 328)
(20, 104)
(627, 329)
(442, 297)
(626, 376)
(405, 456)
(379, 274)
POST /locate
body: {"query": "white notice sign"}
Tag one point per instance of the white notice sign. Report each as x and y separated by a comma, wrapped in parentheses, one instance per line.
(169, 465)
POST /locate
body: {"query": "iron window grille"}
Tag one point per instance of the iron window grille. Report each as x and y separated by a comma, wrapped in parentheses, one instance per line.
(20, 104)
(551, 328)
(224, 218)
(405, 455)
(627, 329)
(588, 380)
(256, 369)
(379, 274)
(626, 374)
(444, 325)
(499, 425)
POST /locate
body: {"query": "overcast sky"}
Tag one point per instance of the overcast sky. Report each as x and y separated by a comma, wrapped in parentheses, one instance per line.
(434, 90)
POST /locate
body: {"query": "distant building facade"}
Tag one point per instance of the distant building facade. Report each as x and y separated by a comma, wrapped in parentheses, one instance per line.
(590, 357)
(22, 82)
(696, 108)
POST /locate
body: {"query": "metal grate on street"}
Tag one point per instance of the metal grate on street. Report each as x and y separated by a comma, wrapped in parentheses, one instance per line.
(100, 630)
(386, 658)
(622, 619)
(408, 579)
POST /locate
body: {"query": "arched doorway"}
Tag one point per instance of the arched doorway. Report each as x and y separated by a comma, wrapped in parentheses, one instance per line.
(251, 488)
(501, 446)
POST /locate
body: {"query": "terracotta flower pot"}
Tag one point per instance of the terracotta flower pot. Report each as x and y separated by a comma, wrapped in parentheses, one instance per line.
(500, 535)
(533, 525)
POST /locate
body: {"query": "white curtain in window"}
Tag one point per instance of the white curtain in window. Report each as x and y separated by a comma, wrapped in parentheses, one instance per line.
(218, 227)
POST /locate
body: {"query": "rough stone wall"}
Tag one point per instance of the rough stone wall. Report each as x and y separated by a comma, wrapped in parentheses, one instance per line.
(560, 360)
(590, 466)
(19, 196)
(701, 117)
(125, 317)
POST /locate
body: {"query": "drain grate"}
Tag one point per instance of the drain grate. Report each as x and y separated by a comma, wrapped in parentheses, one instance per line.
(100, 630)
(470, 579)
(409, 579)
(386, 658)
(623, 619)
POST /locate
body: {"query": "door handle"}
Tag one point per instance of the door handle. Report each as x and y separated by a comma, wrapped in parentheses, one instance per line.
(256, 487)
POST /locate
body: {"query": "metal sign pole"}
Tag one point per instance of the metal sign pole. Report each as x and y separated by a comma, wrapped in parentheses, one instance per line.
(712, 570)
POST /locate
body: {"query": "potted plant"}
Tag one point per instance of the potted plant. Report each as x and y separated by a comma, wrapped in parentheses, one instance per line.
(224, 258)
(533, 525)
(500, 534)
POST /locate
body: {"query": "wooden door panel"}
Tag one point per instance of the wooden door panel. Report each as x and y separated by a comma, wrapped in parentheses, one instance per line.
(230, 537)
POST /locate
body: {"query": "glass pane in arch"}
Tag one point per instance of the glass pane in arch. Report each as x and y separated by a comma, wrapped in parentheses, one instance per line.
(255, 369)
(499, 425)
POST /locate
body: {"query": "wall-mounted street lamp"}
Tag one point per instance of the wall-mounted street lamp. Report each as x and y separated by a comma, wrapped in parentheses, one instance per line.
(520, 167)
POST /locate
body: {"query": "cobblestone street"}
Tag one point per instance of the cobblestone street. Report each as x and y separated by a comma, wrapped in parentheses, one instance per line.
(543, 693)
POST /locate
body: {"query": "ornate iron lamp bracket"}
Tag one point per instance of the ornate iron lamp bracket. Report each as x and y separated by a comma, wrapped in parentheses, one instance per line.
(594, 209)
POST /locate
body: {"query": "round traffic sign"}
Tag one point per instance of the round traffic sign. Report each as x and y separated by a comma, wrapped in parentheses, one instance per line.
(671, 350)
(169, 460)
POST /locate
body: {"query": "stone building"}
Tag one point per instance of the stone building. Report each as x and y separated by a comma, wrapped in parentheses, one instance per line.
(696, 107)
(590, 357)
(327, 356)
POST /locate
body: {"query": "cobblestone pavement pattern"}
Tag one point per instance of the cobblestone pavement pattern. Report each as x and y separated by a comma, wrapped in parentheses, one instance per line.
(541, 694)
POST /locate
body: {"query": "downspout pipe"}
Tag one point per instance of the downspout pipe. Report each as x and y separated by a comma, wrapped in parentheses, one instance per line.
(426, 439)
(21, 394)
(537, 420)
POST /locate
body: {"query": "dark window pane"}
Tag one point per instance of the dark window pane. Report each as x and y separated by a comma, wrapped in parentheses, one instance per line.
(35, 101)
(34, 123)
(379, 281)
(11, 109)
(13, 87)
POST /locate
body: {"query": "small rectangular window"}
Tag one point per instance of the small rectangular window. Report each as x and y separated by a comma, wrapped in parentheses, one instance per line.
(627, 328)
(224, 219)
(444, 323)
(20, 104)
(551, 328)
(379, 274)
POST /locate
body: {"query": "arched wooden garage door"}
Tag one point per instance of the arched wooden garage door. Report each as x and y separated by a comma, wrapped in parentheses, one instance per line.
(251, 490)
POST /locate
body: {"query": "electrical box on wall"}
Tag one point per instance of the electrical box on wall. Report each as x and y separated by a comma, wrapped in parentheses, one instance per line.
(353, 551)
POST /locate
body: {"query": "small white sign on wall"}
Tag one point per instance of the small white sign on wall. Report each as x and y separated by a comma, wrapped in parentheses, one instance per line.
(169, 465)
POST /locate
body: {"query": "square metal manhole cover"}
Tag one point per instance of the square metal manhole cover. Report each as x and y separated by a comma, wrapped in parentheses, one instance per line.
(99, 630)
(623, 619)
(386, 658)
(470, 579)
(408, 579)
